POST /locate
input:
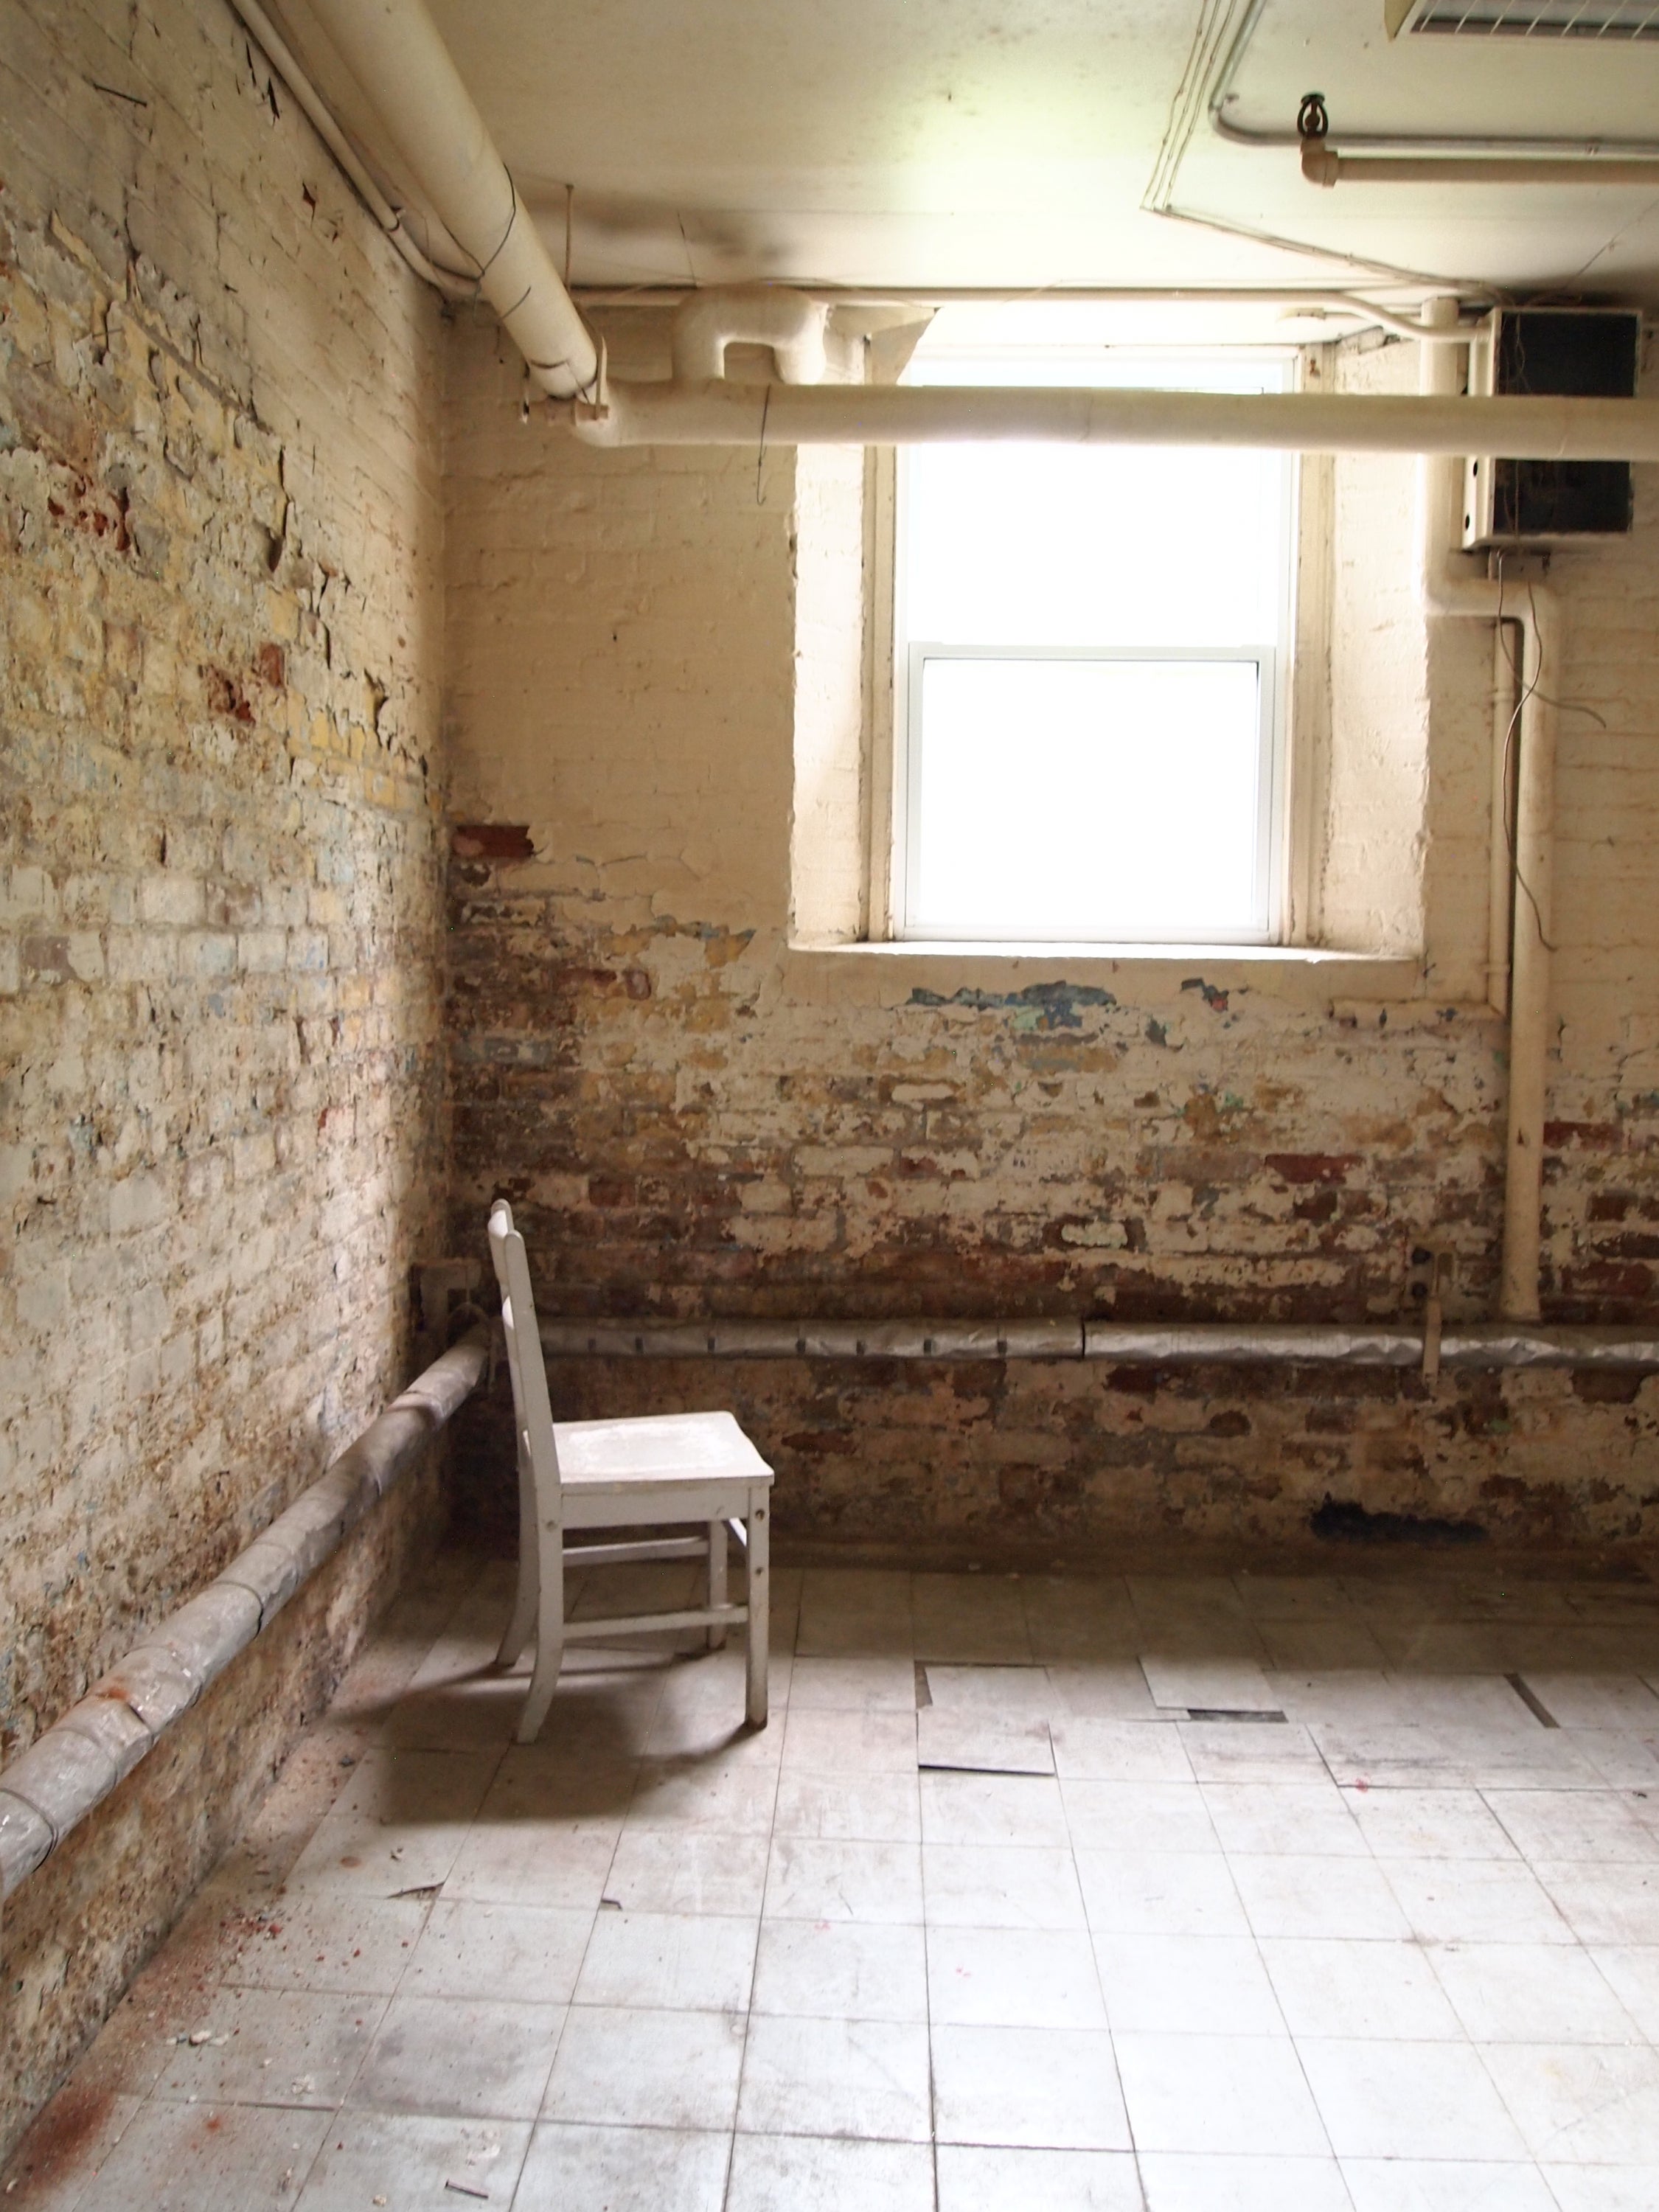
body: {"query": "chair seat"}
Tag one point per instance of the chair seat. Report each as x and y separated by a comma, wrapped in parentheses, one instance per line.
(653, 1449)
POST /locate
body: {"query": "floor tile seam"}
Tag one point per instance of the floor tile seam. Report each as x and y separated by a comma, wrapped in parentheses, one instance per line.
(347, 2114)
(1569, 1938)
(239, 2104)
(1486, 1791)
(429, 1903)
(928, 2010)
(853, 2018)
(851, 1773)
(484, 2116)
(731, 2141)
(316, 1990)
(1435, 1947)
(1313, 2095)
(748, 2008)
(1517, 2120)
(153, 2094)
(86, 2187)
(1091, 1933)
(833, 2134)
(1589, 1952)
(581, 1963)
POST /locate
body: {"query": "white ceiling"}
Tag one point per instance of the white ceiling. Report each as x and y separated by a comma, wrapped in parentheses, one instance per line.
(1012, 142)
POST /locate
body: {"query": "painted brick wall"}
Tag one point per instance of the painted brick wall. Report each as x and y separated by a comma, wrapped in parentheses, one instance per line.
(219, 924)
(693, 1118)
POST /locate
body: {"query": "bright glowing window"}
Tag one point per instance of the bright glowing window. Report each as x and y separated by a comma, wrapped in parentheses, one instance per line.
(1090, 663)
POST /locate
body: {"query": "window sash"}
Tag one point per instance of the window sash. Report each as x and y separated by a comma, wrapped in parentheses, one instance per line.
(1266, 854)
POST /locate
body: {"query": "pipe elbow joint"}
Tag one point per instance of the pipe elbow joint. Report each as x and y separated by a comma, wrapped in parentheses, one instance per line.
(1320, 164)
(791, 323)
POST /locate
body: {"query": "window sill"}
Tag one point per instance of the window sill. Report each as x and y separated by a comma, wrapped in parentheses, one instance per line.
(897, 971)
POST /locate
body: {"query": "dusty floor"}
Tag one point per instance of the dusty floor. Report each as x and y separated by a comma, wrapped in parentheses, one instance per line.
(1211, 1894)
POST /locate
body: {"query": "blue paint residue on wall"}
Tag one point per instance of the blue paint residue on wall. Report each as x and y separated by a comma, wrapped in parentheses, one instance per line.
(1038, 1007)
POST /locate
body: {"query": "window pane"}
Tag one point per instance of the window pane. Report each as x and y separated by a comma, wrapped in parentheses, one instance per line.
(1139, 545)
(1070, 798)
(1093, 545)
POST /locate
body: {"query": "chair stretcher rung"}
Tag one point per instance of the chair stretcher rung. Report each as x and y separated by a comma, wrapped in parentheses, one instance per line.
(648, 1548)
(646, 1623)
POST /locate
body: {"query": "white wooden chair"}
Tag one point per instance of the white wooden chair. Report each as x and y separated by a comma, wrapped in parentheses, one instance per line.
(650, 1470)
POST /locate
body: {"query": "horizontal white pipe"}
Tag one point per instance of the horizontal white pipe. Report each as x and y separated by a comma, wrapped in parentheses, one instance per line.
(1346, 305)
(813, 1340)
(76, 1763)
(1462, 1344)
(1467, 145)
(754, 415)
(393, 48)
(282, 59)
(1154, 1344)
(1322, 165)
(789, 322)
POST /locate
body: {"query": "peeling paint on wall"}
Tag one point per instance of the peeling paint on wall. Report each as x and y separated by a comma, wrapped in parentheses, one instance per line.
(1039, 1007)
(220, 880)
(781, 1134)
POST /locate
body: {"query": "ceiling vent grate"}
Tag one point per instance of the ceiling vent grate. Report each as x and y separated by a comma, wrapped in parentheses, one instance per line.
(1529, 19)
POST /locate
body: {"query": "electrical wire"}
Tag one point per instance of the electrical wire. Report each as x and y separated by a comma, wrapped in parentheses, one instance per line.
(1526, 690)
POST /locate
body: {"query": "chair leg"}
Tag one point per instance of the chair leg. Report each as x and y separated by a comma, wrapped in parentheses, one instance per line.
(760, 1601)
(716, 1578)
(523, 1619)
(550, 1633)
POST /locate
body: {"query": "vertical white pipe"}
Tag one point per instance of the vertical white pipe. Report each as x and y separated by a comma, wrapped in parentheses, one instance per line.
(1500, 875)
(1529, 960)
(1447, 592)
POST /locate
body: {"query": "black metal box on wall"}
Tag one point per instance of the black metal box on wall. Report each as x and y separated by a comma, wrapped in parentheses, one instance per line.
(1589, 353)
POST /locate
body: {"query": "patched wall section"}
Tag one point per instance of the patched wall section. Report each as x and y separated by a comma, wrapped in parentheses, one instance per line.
(693, 1118)
(219, 929)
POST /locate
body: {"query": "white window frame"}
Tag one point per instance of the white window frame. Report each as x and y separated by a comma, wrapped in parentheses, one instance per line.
(1266, 865)
(1273, 901)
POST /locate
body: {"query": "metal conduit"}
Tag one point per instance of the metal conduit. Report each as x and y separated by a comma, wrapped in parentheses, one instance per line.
(1152, 1343)
(77, 1762)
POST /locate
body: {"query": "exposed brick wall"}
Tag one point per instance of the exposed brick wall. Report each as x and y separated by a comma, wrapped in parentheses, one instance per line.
(693, 1118)
(220, 931)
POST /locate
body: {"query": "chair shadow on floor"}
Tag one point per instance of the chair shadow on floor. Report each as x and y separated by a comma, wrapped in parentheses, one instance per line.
(663, 1697)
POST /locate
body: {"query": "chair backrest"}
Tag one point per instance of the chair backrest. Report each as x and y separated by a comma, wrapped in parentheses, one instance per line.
(531, 1411)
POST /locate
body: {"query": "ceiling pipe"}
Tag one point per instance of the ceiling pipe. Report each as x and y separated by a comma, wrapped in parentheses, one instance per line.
(393, 48)
(479, 182)
(789, 322)
(1448, 590)
(1322, 165)
(453, 283)
(1344, 304)
(755, 415)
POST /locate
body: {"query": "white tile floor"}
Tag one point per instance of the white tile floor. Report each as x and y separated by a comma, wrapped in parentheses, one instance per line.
(985, 1918)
